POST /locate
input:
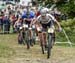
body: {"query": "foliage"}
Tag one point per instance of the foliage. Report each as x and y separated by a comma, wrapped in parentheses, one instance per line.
(69, 27)
(65, 6)
(68, 8)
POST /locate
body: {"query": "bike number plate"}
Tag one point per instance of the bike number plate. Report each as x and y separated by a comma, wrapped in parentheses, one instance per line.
(50, 30)
(25, 25)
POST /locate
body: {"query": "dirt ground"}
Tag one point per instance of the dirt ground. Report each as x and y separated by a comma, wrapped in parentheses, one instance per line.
(60, 54)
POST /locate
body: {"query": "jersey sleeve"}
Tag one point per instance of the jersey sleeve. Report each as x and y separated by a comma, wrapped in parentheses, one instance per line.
(52, 17)
(38, 18)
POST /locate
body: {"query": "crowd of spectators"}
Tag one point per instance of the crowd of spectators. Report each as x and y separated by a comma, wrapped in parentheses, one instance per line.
(9, 16)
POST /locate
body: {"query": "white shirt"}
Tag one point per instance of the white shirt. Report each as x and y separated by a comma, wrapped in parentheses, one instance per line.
(47, 19)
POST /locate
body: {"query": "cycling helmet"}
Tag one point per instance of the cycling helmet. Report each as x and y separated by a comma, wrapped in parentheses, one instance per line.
(46, 9)
(43, 12)
(32, 14)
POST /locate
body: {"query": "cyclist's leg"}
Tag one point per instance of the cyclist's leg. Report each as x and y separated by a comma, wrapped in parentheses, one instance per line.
(30, 34)
(44, 38)
(50, 24)
(20, 37)
(39, 33)
(40, 36)
(44, 27)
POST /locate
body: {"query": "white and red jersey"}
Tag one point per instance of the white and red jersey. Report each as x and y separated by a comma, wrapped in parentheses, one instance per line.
(46, 19)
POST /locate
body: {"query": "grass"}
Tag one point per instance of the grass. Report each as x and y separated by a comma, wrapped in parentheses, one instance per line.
(5, 50)
(69, 27)
(12, 52)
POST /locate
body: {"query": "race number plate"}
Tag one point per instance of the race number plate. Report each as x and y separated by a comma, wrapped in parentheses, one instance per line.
(25, 25)
(50, 30)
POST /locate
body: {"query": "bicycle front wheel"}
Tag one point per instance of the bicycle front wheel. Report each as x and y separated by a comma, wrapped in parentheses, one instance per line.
(27, 39)
(49, 45)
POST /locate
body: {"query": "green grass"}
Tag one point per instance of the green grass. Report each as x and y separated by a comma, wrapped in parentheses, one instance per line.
(60, 37)
(69, 27)
(5, 51)
(12, 52)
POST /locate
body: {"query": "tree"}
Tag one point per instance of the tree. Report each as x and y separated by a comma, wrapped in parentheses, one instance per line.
(65, 6)
(68, 8)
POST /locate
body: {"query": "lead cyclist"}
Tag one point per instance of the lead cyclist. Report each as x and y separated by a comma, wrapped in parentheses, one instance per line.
(45, 20)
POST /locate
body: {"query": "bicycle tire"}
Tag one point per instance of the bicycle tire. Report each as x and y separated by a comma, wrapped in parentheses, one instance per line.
(20, 39)
(33, 38)
(42, 47)
(49, 45)
(27, 39)
(23, 34)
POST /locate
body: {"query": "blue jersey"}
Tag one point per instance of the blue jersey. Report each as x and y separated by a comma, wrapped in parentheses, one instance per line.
(29, 15)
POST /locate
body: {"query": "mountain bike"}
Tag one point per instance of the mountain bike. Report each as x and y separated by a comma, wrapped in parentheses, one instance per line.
(33, 35)
(26, 35)
(20, 36)
(50, 40)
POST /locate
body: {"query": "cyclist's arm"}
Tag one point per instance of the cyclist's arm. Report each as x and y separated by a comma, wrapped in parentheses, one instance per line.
(35, 21)
(53, 18)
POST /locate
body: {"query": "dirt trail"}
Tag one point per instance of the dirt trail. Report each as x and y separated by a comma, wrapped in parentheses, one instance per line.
(60, 54)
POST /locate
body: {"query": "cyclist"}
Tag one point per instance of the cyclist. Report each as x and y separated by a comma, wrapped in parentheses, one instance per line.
(45, 20)
(18, 28)
(18, 24)
(28, 16)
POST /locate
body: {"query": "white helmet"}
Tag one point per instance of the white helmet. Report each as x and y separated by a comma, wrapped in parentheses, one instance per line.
(43, 12)
(46, 9)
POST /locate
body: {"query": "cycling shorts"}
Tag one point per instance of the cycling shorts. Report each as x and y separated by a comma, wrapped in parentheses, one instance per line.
(28, 22)
(47, 25)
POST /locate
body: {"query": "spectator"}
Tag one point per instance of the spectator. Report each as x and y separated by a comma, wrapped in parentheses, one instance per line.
(1, 20)
(6, 24)
(13, 20)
